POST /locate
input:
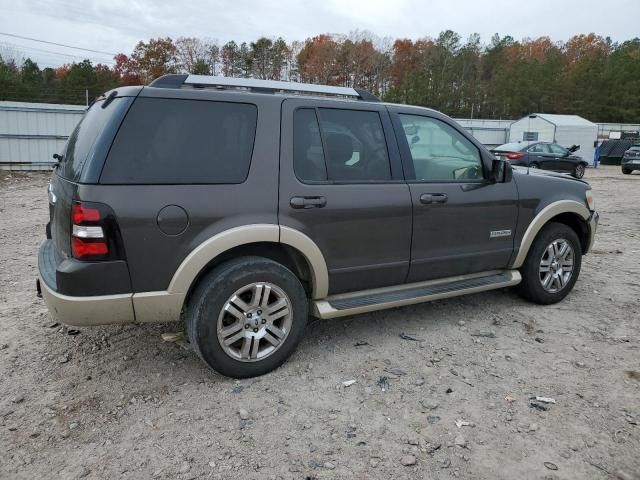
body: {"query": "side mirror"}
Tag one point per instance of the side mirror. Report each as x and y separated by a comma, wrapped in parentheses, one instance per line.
(574, 148)
(415, 139)
(501, 171)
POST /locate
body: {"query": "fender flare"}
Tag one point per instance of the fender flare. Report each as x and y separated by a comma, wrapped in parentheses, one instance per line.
(541, 219)
(198, 259)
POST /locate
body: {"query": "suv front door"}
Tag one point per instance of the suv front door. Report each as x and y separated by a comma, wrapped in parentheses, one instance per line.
(463, 222)
(341, 184)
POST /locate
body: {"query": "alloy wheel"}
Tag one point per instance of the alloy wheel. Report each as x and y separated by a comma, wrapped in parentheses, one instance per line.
(556, 265)
(254, 322)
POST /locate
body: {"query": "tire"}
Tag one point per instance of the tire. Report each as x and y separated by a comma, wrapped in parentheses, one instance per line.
(531, 287)
(534, 165)
(626, 171)
(578, 171)
(211, 316)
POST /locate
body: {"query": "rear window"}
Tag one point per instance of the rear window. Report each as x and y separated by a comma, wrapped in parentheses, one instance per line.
(83, 139)
(173, 141)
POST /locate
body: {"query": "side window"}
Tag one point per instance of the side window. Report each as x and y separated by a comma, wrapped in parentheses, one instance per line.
(308, 154)
(557, 149)
(356, 149)
(171, 141)
(539, 148)
(439, 152)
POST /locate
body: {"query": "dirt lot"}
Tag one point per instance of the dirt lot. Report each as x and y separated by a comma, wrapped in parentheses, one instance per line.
(118, 402)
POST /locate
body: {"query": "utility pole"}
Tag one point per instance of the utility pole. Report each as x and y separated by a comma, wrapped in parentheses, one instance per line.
(86, 97)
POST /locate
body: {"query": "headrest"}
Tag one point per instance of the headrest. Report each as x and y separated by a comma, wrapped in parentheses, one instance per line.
(339, 148)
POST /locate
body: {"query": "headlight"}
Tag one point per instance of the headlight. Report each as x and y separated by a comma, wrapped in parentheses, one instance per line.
(591, 203)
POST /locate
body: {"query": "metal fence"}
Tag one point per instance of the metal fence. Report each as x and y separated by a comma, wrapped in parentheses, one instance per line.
(30, 133)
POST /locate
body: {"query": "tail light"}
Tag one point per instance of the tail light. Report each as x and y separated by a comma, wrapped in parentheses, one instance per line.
(514, 155)
(94, 232)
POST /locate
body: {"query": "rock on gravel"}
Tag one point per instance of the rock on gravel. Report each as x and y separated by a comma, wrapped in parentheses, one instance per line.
(408, 460)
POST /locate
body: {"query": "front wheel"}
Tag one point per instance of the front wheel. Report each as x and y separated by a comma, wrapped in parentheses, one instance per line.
(247, 316)
(626, 171)
(552, 265)
(578, 171)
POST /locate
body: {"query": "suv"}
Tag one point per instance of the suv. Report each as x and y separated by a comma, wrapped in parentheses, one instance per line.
(543, 155)
(243, 207)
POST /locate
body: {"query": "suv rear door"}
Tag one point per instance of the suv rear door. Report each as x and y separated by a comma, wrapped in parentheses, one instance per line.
(539, 153)
(341, 184)
(463, 223)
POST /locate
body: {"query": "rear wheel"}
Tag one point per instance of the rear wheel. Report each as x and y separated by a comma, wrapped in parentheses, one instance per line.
(247, 316)
(552, 265)
(578, 171)
(534, 165)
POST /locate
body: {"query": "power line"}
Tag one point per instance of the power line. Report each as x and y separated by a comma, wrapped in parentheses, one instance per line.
(18, 47)
(58, 44)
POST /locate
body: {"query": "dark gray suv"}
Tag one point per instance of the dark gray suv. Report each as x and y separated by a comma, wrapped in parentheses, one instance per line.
(243, 207)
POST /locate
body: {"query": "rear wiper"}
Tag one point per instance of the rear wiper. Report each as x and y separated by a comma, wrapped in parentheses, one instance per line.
(109, 99)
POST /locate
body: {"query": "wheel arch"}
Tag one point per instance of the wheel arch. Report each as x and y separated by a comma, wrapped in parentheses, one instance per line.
(568, 212)
(284, 245)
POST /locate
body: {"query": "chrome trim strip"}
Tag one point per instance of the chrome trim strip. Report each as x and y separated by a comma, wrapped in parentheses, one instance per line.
(546, 214)
(323, 309)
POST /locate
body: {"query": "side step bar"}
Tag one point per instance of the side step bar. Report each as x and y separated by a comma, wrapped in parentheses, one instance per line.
(408, 294)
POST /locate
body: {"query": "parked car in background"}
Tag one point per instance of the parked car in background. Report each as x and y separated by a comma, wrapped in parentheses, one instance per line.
(631, 160)
(543, 155)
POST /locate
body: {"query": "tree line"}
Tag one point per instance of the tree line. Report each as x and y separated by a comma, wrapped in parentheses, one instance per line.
(587, 75)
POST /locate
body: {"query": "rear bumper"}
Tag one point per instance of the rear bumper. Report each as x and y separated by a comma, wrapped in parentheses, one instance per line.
(79, 310)
(92, 310)
(86, 311)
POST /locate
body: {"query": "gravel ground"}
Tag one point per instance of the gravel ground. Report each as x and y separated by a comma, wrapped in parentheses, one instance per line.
(118, 402)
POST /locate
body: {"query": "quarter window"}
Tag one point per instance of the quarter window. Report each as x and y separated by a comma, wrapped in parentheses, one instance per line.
(439, 152)
(171, 141)
(339, 145)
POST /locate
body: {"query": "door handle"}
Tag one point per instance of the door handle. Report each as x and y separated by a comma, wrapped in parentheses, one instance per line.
(307, 202)
(427, 198)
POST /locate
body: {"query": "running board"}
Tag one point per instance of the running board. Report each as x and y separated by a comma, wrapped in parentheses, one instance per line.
(408, 294)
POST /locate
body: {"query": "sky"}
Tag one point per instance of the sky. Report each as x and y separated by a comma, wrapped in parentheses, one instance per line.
(115, 26)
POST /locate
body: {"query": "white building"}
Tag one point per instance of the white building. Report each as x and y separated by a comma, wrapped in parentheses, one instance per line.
(30, 133)
(566, 130)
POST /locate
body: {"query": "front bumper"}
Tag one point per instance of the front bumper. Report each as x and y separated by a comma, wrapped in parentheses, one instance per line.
(592, 222)
(627, 165)
(79, 310)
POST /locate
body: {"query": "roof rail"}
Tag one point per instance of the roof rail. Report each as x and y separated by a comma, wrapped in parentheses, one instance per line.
(262, 86)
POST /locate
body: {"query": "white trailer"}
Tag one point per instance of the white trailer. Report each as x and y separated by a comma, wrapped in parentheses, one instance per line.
(566, 130)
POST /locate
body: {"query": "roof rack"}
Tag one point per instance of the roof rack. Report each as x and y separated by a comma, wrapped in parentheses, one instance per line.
(261, 86)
